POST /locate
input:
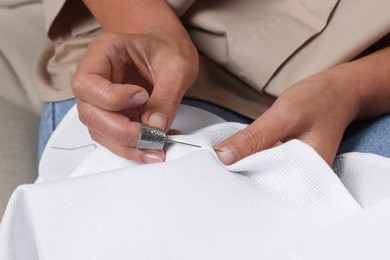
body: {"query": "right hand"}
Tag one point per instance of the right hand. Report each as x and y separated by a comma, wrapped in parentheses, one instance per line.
(126, 79)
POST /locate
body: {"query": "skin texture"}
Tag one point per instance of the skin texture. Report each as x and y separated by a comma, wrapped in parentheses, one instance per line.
(317, 109)
(139, 69)
(134, 73)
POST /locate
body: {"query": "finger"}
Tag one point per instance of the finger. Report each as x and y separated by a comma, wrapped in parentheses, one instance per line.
(106, 56)
(100, 73)
(161, 110)
(164, 101)
(270, 128)
(102, 93)
(130, 153)
(114, 126)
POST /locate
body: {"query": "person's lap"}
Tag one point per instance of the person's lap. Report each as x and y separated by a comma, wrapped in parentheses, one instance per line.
(370, 136)
(51, 116)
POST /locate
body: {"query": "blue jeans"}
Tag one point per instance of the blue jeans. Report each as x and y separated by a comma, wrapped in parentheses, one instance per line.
(370, 136)
(51, 115)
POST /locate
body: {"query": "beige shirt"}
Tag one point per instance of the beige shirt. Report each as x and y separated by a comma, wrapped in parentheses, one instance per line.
(251, 50)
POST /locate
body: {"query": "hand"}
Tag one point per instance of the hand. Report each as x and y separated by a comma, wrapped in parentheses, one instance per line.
(316, 111)
(125, 79)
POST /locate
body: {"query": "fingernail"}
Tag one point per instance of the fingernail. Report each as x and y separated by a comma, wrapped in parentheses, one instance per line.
(158, 120)
(151, 158)
(139, 99)
(227, 155)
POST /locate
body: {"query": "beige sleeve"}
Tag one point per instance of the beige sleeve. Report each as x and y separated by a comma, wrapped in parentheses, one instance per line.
(267, 45)
(354, 26)
(21, 30)
(270, 45)
(253, 38)
(14, 3)
(70, 28)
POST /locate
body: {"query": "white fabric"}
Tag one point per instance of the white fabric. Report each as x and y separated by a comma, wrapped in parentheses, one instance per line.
(282, 203)
(366, 176)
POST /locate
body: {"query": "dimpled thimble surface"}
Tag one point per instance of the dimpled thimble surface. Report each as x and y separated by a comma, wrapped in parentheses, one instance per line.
(151, 138)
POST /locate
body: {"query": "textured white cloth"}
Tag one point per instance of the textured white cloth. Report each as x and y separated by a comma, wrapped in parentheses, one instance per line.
(282, 203)
(366, 176)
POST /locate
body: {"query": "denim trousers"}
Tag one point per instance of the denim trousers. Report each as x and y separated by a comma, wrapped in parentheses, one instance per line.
(369, 136)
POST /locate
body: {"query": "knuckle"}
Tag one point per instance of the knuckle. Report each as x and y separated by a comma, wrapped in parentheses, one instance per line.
(108, 94)
(183, 60)
(167, 97)
(251, 141)
(189, 70)
(78, 83)
(125, 136)
(86, 114)
(81, 84)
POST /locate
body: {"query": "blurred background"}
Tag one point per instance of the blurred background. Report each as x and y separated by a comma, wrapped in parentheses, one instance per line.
(21, 35)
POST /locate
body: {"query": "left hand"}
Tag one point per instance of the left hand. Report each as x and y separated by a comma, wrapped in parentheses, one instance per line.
(316, 111)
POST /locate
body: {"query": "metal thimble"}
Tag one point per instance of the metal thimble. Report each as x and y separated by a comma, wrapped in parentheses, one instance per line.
(151, 138)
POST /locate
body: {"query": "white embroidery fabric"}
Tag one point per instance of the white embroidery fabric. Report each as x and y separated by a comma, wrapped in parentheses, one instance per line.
(282, 203)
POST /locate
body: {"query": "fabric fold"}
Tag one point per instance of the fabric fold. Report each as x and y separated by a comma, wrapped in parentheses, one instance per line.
(280, 203)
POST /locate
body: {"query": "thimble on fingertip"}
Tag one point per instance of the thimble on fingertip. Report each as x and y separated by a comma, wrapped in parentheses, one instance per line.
(151, 138)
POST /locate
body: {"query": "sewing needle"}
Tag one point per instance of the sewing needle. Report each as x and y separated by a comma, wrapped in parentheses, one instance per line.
(154, 139)
(189, 144)
(178, 142)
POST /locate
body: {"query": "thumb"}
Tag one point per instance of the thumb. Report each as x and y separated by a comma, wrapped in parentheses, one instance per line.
(262, 134)
(162, 106)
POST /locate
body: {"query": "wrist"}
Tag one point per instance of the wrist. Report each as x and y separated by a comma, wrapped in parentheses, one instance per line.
(334, 95)
(346, 93)
(367, 82)
(133, 16)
